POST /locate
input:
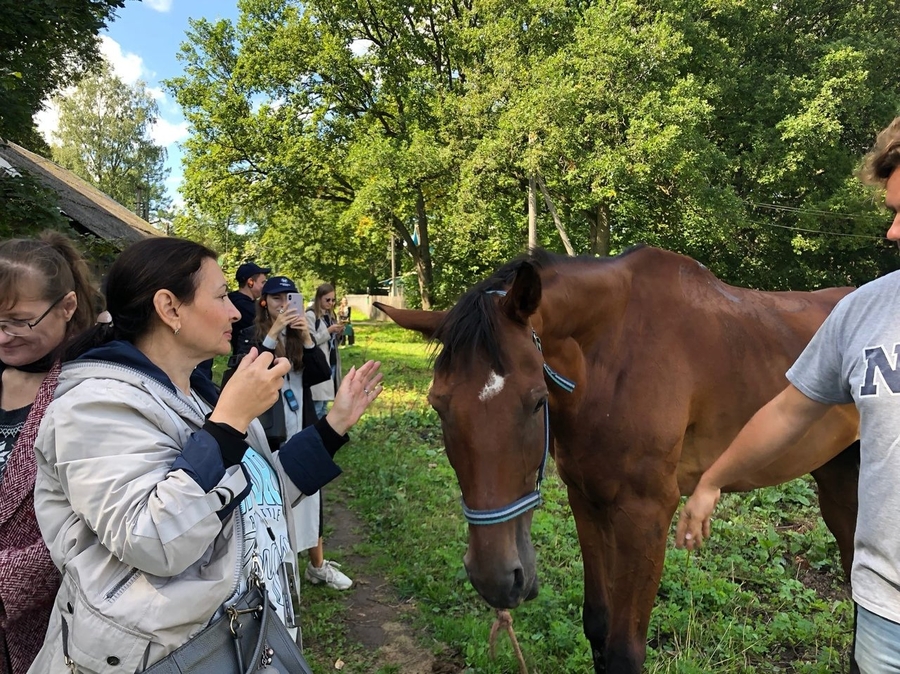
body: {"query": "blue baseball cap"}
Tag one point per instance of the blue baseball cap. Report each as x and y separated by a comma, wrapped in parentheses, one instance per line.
(279, 284)
(248, 270)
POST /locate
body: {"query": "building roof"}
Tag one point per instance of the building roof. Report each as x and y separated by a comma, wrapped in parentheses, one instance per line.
(89, 209)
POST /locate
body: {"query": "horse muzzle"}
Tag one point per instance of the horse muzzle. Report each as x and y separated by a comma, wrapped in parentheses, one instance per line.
(504, 576)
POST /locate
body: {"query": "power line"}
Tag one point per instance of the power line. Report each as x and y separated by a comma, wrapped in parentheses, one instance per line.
(812, 211)
(805, 211)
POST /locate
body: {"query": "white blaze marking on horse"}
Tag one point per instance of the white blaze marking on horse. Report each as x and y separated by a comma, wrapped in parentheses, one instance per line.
(493, 387)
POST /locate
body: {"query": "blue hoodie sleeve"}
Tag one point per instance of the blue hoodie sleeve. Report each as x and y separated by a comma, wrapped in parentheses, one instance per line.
(307, 461)
(202, 459)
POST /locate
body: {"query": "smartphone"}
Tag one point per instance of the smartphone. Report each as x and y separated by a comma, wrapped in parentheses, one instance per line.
(295, 300)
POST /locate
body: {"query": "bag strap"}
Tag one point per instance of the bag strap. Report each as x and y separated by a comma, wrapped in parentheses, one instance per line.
(235, 625)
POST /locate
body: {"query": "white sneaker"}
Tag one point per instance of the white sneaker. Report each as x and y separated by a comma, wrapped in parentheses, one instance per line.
(328, 573)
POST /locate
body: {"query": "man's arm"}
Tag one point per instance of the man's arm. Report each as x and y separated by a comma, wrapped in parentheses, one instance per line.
(773, 429)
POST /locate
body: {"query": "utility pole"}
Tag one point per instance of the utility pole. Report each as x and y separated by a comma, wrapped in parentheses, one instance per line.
(532, 213)
(393, 268)
(532, 204)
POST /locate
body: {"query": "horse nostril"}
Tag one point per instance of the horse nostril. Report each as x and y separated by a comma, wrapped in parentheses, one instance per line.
(518, 580)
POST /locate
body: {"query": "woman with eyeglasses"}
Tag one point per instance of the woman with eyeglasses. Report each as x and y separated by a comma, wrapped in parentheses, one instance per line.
(45, 298)
(326, 332)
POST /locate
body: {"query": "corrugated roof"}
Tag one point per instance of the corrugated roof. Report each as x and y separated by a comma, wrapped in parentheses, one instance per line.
(80, 201)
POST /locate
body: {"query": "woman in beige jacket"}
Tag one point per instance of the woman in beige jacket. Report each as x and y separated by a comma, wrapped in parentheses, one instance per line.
(153, 492)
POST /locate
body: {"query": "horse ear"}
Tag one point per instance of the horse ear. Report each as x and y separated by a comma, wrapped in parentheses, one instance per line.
(413, 319)
(523, 298)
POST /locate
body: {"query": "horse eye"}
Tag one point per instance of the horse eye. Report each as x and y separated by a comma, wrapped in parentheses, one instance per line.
(540, 405)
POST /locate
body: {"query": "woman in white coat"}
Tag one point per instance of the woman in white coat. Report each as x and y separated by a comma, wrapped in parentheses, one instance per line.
(154, 493)
(281, 329)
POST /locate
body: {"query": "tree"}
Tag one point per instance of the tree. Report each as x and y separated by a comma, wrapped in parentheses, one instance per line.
(728, 130)
(104, 128)
(717, 129)
(26, 206)
(324, 102)
(44, 46)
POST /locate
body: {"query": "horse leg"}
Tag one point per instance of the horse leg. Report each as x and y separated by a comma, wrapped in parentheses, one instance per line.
(623, 548)
(838, 501)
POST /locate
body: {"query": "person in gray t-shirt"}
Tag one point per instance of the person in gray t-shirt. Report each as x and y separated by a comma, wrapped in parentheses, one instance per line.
(853, 358)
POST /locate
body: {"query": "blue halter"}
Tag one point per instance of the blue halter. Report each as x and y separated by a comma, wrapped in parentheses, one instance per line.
(532, 500)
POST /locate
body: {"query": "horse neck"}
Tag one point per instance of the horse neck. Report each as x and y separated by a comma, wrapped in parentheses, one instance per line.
(582, 302)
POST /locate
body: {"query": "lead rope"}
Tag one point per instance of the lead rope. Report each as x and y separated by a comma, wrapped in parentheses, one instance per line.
(504, 622)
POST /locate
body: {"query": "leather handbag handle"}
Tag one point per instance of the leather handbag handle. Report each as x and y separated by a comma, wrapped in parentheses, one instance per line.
(263, 628)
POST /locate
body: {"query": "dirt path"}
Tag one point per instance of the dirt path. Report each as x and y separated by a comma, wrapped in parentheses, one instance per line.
(374, 616)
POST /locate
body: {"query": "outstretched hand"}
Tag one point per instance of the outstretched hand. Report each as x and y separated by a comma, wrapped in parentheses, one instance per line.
(358, 389)
(252, 389)
(694, 525)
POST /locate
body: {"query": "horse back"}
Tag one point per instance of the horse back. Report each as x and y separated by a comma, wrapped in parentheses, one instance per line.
(687, 360)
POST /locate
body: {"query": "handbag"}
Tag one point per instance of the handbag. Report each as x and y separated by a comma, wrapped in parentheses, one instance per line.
(249, 637)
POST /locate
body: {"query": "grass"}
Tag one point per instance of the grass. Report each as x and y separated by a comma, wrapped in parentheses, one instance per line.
(764, 596)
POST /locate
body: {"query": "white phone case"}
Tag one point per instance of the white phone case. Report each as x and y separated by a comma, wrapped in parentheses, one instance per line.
(295, 300)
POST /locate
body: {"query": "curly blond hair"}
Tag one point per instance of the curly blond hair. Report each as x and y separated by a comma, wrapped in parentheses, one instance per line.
(884, 157)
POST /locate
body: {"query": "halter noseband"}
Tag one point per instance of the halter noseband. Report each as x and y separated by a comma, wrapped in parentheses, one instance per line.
(532, 500)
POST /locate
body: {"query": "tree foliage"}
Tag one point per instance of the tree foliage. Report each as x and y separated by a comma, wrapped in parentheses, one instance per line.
(104, 137)
(45, 45)
(726, 130)
(26, 206)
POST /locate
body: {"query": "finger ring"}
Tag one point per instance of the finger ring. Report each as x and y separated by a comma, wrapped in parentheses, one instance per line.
(281, 311)
(366, 391)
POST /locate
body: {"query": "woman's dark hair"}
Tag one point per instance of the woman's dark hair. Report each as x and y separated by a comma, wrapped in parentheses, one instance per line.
(321, 291)
(51, 265)
(292, 349)
(140, 271)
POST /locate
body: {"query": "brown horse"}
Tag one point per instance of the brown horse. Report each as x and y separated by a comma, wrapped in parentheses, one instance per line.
(667, 363)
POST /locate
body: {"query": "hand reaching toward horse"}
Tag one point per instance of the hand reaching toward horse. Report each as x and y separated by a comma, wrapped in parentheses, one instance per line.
(696, 517)
(358, 389)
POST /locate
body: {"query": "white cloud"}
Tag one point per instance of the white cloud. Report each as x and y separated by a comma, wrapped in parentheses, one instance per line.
(128, 66)
(47, 121)
(160, 5)
(165, 132)
(157, 94)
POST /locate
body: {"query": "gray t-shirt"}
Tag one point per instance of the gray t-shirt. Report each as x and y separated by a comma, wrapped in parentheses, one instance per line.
(855, 357)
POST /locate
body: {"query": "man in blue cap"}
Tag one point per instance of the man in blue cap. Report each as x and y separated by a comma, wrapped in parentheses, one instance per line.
(251, 278)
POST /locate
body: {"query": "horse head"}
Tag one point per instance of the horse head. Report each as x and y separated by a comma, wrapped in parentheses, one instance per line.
(490, 392)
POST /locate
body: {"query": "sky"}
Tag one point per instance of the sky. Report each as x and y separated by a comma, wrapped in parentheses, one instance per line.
(141, 43)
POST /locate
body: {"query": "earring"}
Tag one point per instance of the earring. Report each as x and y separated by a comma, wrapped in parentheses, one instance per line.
(176, 331)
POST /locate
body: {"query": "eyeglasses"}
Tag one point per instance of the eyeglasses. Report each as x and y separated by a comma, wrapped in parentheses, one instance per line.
(13, 328)
(328, 299)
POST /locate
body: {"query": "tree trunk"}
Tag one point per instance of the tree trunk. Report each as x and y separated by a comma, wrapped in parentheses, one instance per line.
(532, 213)
(600, 231)
(423, 264)
(420, 252)
(559, 225)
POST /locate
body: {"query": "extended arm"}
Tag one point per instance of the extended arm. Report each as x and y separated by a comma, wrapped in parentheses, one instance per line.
(771, 431)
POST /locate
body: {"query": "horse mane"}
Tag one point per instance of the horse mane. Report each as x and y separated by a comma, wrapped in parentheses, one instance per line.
(471, 326)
